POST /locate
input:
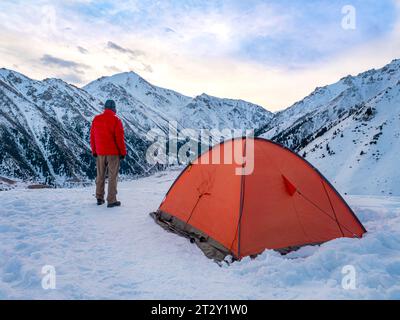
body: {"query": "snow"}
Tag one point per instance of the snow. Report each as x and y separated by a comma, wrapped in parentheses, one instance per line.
(342, 95)
(155, 105)
(121, 253)
(349, 131)
(364, 151)
(44, 125)
(168, 101)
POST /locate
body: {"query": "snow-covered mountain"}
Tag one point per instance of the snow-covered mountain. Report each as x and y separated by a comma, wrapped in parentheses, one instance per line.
(44, 125)
(361, 153)
(144, 106)
(349, 130)
(44, 128)
(149, 105)
(209, 112)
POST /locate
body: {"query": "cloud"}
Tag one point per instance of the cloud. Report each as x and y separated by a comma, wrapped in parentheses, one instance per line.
(268, 52)
(71, 78)
(50, 60)
(113, 69)
(147, 68)
(82, 50)
(132, 53)
(169, 30)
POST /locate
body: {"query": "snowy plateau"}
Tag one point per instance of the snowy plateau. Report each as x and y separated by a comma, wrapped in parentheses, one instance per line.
(349, 130)
(123, 254)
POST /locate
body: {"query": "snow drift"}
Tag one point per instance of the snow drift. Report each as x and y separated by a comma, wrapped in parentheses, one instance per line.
(123, 254)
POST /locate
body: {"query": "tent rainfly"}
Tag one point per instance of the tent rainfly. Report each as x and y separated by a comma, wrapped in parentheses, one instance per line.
(284, 203)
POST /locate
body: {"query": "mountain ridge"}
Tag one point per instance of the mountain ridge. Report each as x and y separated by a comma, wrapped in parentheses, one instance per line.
(312, 126)
(44, 125)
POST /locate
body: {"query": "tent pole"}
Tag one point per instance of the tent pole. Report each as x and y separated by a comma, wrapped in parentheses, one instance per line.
(242, 184)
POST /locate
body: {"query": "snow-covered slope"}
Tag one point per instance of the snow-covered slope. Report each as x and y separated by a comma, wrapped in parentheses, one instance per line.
(207, 112)
(152, 105)
(44, 125)
(144, 106)
(130, 85)
(121, 253)
(298, 125)
(44, 128)
(361, 154)
(349, 131)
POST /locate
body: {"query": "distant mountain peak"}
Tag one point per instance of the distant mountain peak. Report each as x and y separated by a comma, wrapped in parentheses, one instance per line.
(55, 81)
(345, 129)
(9, 72)
(127, 77)
(50, 120)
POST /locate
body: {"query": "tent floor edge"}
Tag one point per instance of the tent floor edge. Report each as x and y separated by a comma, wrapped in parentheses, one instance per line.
(211, 248)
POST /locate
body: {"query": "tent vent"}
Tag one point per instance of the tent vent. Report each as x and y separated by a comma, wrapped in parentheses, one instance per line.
(290, 188)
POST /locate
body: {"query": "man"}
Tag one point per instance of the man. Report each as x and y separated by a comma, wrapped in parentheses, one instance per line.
(108, 147)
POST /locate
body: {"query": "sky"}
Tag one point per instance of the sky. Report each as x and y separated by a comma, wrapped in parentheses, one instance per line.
(269, 52)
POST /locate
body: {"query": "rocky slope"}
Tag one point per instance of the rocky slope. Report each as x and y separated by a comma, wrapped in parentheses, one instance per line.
(349, 130)
(149, 106)
(44, 125)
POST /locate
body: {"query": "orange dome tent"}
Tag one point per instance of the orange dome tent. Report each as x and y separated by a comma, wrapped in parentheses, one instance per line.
(283, 204)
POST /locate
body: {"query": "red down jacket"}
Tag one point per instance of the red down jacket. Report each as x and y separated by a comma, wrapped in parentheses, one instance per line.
(107, 135)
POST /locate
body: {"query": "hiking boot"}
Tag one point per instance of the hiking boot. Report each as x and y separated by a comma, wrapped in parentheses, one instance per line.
(114, 204)
(100, 202)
